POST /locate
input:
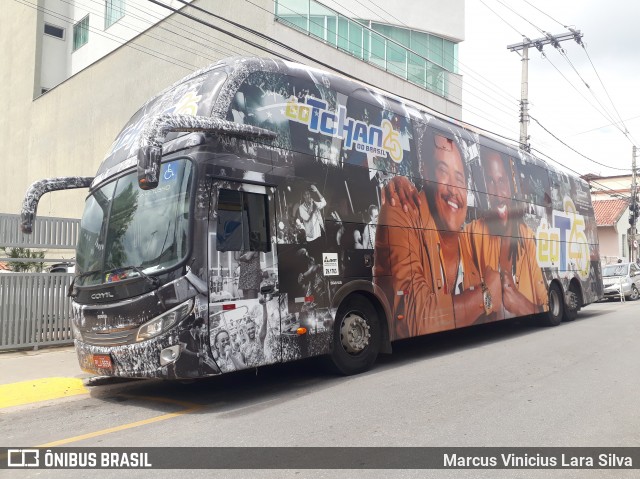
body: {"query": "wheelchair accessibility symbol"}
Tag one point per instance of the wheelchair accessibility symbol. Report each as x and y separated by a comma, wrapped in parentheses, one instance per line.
(169, 173)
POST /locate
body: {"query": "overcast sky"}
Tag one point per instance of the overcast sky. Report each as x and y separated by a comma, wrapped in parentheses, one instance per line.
(611, 32)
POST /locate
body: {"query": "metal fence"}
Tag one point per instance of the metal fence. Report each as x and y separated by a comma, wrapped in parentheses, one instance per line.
(34, 310)
(34, 307)
(48, 232)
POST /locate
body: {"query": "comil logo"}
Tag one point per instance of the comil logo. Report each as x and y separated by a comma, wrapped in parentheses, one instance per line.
(106, 295)
(23, 458)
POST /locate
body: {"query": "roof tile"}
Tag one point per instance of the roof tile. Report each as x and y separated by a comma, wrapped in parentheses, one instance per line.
(608, 212)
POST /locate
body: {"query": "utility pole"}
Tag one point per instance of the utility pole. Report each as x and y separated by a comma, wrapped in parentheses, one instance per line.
(633, 206)
(524, 92)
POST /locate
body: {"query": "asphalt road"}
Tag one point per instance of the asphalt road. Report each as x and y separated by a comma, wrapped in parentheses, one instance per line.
(512, 384)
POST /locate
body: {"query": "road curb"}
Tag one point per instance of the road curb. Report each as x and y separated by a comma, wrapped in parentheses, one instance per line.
(38, 390)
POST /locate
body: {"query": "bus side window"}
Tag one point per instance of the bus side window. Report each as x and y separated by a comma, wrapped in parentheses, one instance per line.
(243, 222)
(256, 210)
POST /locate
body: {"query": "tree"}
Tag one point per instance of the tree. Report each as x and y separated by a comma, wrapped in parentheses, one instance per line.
(24, 253)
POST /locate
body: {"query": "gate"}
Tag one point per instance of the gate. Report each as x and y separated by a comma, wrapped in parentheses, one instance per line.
(34, 307)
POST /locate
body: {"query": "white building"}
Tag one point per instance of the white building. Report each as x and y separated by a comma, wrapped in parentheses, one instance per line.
(74, 71)
(610, 196)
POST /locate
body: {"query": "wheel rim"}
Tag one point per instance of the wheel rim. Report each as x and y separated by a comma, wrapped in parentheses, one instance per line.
(355, 333)
(634, 293)
(554, 303)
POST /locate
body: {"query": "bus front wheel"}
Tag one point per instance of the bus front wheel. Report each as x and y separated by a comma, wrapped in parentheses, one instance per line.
(556, 306)
(356, 336)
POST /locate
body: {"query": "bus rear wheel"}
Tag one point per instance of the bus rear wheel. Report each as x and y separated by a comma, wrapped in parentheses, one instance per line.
(571, 310)
(356, 336)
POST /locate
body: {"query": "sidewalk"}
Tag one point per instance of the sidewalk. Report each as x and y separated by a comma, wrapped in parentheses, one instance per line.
(33, 376)
(60, 362)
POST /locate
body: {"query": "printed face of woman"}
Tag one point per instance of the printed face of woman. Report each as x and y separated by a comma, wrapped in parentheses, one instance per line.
(451, 188)
(499, 190)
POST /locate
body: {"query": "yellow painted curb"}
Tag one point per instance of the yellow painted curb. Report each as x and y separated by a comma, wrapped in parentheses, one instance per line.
(26, 392)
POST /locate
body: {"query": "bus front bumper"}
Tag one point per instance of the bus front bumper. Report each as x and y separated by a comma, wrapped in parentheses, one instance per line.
(155, 358)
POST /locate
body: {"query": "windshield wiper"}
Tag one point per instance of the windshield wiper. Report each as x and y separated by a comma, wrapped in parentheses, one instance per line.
(78, 276)
(152, 280)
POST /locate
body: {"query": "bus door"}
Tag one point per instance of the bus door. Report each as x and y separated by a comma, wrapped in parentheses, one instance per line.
(244, 301)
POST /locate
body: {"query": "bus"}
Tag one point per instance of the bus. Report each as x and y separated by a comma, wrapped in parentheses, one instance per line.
(260, 211)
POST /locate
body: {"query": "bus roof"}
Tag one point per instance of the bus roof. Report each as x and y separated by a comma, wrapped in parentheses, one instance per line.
(209, 92)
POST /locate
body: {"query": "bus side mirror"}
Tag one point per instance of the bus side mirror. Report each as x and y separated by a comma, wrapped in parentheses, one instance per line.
(149, 166)
(39, 188)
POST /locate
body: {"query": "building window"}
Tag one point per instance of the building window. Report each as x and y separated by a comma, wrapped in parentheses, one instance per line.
(54, 31)
(421, 58)
(81, 33)
(114, 11)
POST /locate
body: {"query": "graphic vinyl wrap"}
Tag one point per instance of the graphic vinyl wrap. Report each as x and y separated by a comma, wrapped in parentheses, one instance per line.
(284, 229)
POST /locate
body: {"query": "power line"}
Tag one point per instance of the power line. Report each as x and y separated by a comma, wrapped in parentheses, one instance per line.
(608, 96)
(506, 22)
(332, 68)
(607, 117)
(315, 60)
(291, 49)
(372, 30)
(181, 27)
(544, 13)
(608, 114)
(466, 68)
(126, 24)
(551, 40)
(266, 37)
(492, 86)
(576, 151)
(526, 20)
(210, 45)
(601, 127)
(145, 50)
(602, 188)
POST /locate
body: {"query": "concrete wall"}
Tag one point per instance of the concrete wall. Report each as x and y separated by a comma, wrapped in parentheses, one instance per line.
(140, 15)
(67, 131)
(55, 51)
(611, 238)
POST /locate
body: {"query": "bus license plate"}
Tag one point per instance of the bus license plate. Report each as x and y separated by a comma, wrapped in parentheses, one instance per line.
(102, 361)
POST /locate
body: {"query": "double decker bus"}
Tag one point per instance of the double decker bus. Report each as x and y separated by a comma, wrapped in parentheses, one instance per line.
(260, 211)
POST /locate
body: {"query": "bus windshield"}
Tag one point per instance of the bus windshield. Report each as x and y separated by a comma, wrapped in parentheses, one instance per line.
(125, 230)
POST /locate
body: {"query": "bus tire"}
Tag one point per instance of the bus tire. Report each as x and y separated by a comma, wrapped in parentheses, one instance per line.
(556, 306)
(571, 313)
(356, 336)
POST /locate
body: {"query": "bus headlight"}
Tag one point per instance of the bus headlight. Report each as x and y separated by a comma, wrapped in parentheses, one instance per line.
(165, 321)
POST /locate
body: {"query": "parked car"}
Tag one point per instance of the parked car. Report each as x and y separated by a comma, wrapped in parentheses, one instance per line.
(66, 267)
(621, 276)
